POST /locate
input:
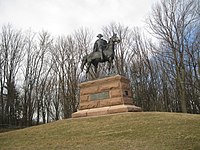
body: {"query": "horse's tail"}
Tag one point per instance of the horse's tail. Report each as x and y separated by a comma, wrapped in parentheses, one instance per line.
(84, 60)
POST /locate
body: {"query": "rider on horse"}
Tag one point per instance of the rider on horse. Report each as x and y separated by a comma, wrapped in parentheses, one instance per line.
(100, 45)
(102, 52)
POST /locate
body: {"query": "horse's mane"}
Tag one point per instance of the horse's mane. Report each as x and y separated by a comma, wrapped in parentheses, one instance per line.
(109, 42)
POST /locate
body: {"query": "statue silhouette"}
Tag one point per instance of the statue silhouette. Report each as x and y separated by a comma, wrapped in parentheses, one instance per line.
(96, 57)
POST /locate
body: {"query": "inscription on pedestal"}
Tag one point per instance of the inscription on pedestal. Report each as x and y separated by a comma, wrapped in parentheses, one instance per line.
(99, 96)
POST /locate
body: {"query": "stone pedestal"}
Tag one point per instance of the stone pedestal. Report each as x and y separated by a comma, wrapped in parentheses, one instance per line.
(105, 96)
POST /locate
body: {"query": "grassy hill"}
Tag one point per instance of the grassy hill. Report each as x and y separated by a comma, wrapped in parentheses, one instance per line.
(128, 131)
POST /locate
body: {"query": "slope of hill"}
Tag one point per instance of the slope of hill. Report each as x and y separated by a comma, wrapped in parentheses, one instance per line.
(137, 131)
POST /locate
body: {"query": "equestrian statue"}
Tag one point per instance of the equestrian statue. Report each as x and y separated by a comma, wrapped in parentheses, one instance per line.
(102, 52)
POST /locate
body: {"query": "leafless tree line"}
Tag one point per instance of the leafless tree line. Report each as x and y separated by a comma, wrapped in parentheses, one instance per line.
(39, 74)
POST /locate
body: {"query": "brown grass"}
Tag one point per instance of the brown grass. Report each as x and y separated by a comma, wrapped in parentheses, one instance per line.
(137, 131)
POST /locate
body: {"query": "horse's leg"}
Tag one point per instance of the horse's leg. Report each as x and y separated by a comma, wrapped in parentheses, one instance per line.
(88, 67)
(84, 61)
(95, 64)
(110, 65)
(95, 67)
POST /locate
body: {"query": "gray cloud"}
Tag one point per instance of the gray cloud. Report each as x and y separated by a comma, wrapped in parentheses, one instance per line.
(64, 16)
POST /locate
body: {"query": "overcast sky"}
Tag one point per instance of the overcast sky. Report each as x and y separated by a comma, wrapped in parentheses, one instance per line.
(61, 17)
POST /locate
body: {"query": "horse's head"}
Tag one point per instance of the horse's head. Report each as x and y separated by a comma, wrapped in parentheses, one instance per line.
(115, 38)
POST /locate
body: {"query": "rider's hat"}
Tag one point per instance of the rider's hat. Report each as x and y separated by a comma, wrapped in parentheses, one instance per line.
(99, 35)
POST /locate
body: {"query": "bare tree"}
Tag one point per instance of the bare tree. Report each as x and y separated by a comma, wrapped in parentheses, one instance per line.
(170, 22)
(12, 45)
(29, 79)
(83, 39)
(43, 69)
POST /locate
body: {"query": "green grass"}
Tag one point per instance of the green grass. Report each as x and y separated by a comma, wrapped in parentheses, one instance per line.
(128, 131)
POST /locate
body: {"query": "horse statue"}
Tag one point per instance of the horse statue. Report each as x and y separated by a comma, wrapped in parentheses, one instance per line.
(94, 58)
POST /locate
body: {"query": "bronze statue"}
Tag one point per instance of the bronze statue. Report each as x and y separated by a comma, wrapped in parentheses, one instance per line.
(100, 45)
(96, 56)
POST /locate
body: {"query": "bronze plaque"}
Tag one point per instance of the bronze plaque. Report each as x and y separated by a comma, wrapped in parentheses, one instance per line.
(99, 96)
